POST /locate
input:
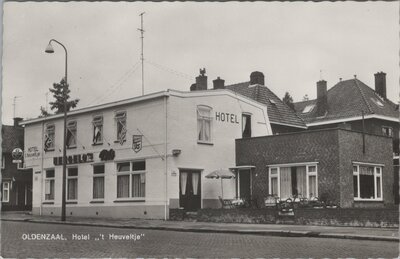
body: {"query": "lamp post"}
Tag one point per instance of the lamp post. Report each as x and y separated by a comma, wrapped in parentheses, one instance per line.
(49, 49)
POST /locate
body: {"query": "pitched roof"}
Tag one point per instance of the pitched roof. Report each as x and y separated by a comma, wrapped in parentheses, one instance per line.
(12, 137)
(278, 111)
(348, 99)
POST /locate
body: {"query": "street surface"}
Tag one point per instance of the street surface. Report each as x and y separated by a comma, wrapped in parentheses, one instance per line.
(159, 243)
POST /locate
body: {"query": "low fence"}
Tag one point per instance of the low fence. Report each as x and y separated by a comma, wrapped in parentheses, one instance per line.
(356, 217)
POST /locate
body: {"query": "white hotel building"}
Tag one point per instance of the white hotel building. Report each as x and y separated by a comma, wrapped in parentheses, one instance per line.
(139, 157)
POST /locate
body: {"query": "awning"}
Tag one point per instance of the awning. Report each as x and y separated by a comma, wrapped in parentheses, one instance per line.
(242, 167)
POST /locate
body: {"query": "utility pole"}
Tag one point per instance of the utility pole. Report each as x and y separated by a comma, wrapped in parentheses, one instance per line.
(142, 55)
(15, 104)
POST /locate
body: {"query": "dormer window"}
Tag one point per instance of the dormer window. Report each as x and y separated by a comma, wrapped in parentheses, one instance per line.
(97, 129)
(377, 102)
(120, 118)
(308, 108)
(49, 137)
(204, 124)
(272, 101)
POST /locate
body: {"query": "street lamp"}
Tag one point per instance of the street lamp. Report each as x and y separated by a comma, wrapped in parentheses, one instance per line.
(49, 49)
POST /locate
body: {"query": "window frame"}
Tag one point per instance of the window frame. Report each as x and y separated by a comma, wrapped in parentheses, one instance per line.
(119, 116)
(68, 177)
(72, 125)
(50, 128)
(308, 174)
(249, 116)
(99, 175)
(3, 161)
(376, 175)
(387, 131)
(203, 118)
(7, 190)
(51, 179)
(130, 173)
(98, 121)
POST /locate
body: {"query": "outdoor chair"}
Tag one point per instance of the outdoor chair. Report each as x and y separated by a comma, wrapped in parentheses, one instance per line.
(226, 204)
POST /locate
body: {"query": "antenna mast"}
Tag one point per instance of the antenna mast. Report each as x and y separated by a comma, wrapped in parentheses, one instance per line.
(15, 104)
(142, 55)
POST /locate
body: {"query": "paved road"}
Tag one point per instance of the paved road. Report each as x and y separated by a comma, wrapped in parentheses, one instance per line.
(158, 243)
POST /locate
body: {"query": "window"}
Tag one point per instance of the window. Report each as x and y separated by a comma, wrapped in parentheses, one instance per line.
(71, 134)
(120, 118)
(72, 183)
(3, 161)
(204, 124)
(246, 125)
(97, 129)
(131, 179)
(367, 182)
(20, 165)
(308, 108)
(387, 131)
(98, 181)
(49, 185)
(49, 137)
(6, 191)
(293, 181)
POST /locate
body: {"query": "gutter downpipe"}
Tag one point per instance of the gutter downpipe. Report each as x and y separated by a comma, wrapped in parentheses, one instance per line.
(41, 173)
(165, 158)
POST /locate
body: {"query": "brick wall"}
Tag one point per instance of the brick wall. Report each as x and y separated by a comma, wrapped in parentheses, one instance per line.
(333, 149)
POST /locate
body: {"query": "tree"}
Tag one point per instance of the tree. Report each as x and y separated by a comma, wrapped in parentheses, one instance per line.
(43, 112)
(61, 92)
(288, 100)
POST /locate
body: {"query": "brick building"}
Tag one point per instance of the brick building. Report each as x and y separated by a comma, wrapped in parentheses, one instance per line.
(326, 163)
(16, 182)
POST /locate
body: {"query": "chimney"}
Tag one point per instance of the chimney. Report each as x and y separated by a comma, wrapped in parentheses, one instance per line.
(256, 78)
(219, 83)
(17, 120)
(380, 84)
(201, 80)
(322, 98)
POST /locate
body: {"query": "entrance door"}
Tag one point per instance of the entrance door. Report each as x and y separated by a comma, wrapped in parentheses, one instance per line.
(244, 184)
(190, 190)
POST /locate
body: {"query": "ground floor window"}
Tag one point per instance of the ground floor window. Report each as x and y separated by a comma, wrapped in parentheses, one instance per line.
(49, 185)
(367, 182)
(72, 183)
(293, 181)
(131, 179)
(6, 192)
(98, 181)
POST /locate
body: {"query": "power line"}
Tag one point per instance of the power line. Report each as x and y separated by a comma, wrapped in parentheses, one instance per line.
(170, 70)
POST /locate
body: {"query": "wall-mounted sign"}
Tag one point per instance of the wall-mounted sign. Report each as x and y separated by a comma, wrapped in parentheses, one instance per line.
(226, 117)
(74, 159)
(17, 155)
(32, 152)
(107, 154)
(137, 143)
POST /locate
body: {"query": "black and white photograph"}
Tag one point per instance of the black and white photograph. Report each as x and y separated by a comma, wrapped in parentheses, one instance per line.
(188, 129)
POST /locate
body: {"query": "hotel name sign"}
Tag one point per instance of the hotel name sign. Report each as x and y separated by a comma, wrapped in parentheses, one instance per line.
(74, 159)
(226, 117)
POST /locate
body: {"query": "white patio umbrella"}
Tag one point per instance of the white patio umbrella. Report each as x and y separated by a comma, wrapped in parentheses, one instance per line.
(221, 174)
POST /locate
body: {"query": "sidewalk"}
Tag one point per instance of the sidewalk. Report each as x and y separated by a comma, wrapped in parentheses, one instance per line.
(360, 233)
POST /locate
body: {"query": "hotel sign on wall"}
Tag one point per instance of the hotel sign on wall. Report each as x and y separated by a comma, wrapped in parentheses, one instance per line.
(74, 159)
(226, 117)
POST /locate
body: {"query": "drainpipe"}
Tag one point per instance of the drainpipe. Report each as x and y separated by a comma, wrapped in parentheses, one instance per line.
(165, 158)
(41, 173)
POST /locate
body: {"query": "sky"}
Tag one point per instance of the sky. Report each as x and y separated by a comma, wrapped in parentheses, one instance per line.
(293, 44)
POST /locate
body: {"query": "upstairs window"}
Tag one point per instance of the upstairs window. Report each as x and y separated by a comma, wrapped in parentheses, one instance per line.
(204, 124)
(120, 118)
(71, 134)
(308, 108)
(49, 137)
(387, 131)
(97, 129)
(246, 125)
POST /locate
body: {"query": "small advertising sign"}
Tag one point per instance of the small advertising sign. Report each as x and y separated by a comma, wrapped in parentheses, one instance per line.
(17, 155)
(137, 143)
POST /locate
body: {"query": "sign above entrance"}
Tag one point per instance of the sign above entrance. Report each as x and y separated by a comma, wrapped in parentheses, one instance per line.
(17, 155)
(226, 117)
(74, 159)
